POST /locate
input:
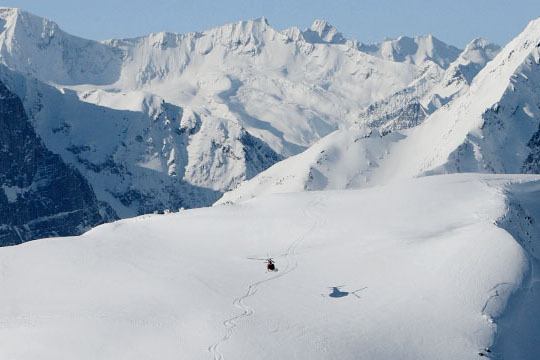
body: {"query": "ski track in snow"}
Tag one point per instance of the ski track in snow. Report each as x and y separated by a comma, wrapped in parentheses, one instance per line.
(291, 264)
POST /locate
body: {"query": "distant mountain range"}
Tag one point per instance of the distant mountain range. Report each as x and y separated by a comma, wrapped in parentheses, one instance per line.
(169, 121)
(486, 122)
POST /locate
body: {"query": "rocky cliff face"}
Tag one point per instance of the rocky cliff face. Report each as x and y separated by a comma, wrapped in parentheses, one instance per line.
(40, 196)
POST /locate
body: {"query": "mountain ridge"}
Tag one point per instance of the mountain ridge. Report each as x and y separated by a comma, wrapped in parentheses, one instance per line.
(490, 126)
(168, 121)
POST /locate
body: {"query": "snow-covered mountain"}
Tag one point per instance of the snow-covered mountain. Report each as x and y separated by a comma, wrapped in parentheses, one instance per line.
(323, 32)
(417, 50)
(460, 74)
(160, 156)
(236, 72)
(166, 121)
(433, 89)
(37, 47)
(490, 126)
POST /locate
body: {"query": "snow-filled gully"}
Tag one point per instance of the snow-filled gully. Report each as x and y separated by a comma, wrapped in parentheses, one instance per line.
(291, 264)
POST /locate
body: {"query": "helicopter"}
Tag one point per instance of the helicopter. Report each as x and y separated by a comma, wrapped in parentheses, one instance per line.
(270, 266)
(270, 263)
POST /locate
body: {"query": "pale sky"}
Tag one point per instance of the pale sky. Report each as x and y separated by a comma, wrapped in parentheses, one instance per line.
(453, 21)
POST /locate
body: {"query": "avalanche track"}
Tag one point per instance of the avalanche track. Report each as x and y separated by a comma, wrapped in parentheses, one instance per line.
(290, 257)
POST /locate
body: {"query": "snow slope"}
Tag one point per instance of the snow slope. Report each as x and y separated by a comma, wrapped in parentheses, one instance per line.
(341, 160)
(421, 271)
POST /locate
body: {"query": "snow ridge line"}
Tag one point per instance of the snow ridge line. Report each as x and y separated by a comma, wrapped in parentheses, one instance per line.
(292, 263)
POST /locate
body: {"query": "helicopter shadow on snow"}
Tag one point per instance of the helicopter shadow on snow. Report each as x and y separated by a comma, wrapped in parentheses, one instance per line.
(337, 292)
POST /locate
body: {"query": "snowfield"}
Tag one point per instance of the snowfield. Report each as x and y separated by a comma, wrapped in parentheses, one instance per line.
(421, 269)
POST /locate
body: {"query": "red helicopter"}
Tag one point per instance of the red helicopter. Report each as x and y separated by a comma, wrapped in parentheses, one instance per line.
(270, 266)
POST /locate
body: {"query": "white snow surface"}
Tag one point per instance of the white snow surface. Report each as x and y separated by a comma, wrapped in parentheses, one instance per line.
(422, 270)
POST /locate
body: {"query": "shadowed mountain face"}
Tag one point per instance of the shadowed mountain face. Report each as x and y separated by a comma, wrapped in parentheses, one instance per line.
(40, 195)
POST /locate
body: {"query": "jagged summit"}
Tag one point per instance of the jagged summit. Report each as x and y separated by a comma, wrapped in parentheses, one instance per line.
(480, 43)
(460, 73)
(221, 64)
(255, 27)
(38, 47)
(323, 32)
(513, 56)
(415, 50)
(478, 50)
(10, 14)
(24, 24)
(474, 57)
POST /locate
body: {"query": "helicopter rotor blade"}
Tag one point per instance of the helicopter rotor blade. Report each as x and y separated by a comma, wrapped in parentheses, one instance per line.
(256, 258)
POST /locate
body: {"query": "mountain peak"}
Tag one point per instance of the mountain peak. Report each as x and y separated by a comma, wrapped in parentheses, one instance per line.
(262, 20)
(8, 12)
(27, 25)
(477, 43)
(415, 50)
(513, 56)
(12, 16)
(320, 25)
(34, 45)
(241, 29)
(323, 32)
(478, 51)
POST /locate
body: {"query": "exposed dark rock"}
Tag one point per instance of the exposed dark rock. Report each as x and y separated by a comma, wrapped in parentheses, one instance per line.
(40, 196)
(532, 163)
